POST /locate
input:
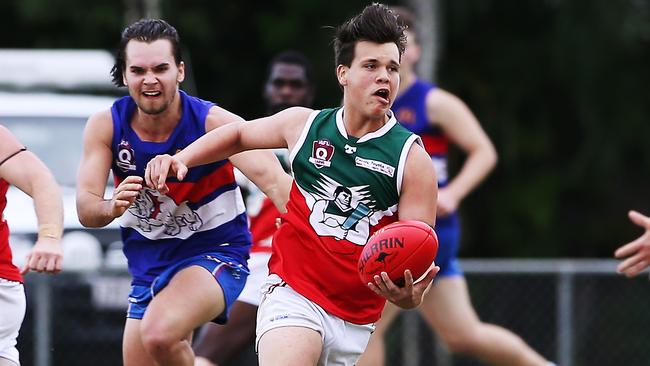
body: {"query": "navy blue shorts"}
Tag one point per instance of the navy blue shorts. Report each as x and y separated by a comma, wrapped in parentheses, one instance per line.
(448, 231)
(231, 276)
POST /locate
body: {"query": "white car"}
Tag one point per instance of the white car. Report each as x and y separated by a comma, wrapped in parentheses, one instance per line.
(50, 124)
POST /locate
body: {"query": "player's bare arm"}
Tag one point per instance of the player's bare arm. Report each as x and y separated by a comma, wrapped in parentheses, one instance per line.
(93, 209)
(417, 202)
(22, 169)
(463, 129)
(280, 130)
(262, 167)
(635, 254)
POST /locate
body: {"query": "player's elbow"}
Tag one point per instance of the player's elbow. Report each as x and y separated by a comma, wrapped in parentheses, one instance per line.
(86, 216)
(85, 219)
(491, 157)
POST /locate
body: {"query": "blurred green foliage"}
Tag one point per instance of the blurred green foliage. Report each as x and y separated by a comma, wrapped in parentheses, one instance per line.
(560, 86)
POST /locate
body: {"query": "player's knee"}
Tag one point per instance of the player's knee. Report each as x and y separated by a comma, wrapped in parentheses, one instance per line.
(157, 343)
(462, 342)
(156, 339)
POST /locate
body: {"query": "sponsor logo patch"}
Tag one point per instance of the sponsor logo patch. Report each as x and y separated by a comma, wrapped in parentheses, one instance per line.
(375, 165)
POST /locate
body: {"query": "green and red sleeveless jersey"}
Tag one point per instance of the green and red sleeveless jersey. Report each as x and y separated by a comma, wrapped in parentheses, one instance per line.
(345, 188)
(8, 269)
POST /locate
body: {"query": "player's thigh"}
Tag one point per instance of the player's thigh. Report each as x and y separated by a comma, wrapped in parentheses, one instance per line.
(290, 346)
(12, 313)
(133, 352)
(240, 327)
(222, 342)
(448, 308)
(191, 298)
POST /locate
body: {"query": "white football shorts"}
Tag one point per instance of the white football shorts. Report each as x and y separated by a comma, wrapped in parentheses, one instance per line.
(281, 306)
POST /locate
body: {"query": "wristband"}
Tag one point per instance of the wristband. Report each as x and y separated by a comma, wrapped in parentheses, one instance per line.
(51, 231)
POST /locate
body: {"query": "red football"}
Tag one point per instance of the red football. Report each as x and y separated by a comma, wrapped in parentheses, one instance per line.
(402, 245)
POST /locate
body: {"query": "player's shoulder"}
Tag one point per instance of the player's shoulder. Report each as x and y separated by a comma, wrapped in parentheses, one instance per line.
(101, 119)
(219, 116)
(442, 98)
(5, 134)
(294, 117)
(99, 125)
(418, 155)
(9, 141)
(297, 112)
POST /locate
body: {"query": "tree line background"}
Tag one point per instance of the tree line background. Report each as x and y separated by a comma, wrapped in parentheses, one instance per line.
(560, 86)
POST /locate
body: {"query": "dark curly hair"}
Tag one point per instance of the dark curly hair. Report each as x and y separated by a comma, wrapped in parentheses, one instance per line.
(376, 23)
(144, 30)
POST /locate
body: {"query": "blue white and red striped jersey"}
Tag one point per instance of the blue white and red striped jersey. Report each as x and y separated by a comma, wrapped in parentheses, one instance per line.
(411, 111)
(204, 213)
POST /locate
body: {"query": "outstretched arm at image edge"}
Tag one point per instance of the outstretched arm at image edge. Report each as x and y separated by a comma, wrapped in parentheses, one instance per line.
(635, 254)
(28, 173)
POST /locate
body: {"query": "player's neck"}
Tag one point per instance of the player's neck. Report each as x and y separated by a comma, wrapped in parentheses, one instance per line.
(358, 124)
(157, 127)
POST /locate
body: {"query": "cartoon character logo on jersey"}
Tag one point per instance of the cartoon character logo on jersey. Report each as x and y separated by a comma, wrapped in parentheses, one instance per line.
(341, 212)
(406, 116)
(321, 153)
(150, 211)
(125, 156)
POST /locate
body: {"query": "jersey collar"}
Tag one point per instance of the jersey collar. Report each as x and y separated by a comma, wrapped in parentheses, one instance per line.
(369, 136)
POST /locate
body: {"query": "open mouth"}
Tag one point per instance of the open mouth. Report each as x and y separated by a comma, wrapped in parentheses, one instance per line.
(151, 93)
(382, 93)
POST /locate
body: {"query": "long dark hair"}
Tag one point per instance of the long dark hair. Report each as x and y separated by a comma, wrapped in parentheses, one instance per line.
(144, 30)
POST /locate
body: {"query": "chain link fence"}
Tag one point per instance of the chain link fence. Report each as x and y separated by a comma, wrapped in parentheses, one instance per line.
(575, 312)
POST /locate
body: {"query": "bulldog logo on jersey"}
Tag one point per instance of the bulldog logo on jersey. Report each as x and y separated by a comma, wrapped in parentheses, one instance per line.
(321, 153)
(158, 214)
(125, 156)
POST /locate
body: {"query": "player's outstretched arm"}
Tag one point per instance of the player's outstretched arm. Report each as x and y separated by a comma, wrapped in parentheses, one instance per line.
(280, 130)
(637, 252)
(93, 210)
(22, 169)
(459, 124)
(262, 167)
(417, 202)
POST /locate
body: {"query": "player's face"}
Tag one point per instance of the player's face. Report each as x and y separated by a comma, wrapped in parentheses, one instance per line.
(152, 75)
(287, 87)
(372, 80)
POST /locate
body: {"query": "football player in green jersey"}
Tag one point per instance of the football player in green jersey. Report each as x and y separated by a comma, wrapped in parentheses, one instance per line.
(315, 311)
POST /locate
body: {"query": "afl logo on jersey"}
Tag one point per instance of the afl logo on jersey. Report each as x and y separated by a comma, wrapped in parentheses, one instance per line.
(125, 156)
(321, 153)
(406, 116)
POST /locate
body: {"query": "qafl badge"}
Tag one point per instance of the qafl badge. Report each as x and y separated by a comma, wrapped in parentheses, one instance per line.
(321, 153)
(125, 156)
